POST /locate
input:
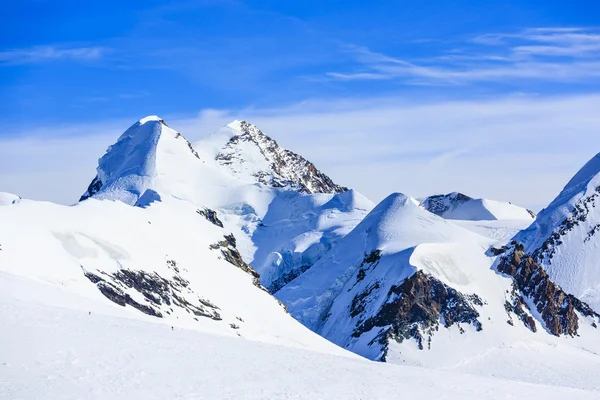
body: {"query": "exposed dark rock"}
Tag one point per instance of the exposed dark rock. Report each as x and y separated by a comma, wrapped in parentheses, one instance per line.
(119, 297)
(159, 293)
(92, 189)
(368, 263)
(287, 168)
(440, 203)
(579, 214)
(210, 215)
(496, 251)
(233, 256)
(415, 308)
(517, 305)
(359, 301)
(556, 308)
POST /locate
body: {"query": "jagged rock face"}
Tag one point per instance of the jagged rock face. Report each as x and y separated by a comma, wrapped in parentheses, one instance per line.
(564, 237)
(556, 308)
(414, 309)
(228, 248)
(519, 307)
(92, 189)
(285, 168)
(211, 216)
(159, 294)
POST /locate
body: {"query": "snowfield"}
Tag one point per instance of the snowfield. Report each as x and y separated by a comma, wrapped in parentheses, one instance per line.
(51, 348)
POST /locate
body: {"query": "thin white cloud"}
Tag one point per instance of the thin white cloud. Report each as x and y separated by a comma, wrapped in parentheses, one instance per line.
(50, 53)
(541, 54)
(521, 149)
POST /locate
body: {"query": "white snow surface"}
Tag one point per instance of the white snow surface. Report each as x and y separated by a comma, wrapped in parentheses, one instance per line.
(52, 348)
(460, 207)
(7, 199)
(572, 259)
(55, 245)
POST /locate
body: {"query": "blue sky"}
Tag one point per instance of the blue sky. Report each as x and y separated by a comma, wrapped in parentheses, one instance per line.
(72, 59)
(89, 69)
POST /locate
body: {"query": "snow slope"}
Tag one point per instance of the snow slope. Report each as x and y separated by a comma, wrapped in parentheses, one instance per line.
(159, 261)
(563, 238)
(8, 199)
(50, 348)
(409, 287)
(461, 207)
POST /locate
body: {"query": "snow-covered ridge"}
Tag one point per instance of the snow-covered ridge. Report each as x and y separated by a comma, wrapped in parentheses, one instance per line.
(564, 237)
(8, 199)
(462, 207)
(250, 152)
(406, 277)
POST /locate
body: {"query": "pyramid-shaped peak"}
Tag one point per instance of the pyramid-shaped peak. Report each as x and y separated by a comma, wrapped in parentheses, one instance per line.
(146, 153)
(253, 156)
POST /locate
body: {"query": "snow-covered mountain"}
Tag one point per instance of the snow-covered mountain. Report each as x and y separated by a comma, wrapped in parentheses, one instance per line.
(145, 239)
(462, 207)
(181, 239)
(253, 156)
(405, 284)
(564, 238)
(282, 210)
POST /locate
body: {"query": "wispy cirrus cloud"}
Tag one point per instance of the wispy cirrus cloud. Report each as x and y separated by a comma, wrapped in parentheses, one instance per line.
(37, 54)
(540, 54)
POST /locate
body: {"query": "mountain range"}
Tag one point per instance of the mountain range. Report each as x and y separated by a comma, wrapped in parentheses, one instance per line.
(236, 237)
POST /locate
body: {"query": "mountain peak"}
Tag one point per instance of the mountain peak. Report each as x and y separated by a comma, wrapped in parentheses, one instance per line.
(151, 118)
(254, 156)
(145, 152)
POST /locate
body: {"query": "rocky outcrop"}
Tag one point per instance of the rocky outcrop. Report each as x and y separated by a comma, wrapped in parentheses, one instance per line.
(211, 216)
(92, 189)
(232, 255)
(286, 169)
(159, 294)
(440, 203)
(414, 309)
(581, 209)
(556, 308)
(516, 305)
